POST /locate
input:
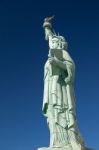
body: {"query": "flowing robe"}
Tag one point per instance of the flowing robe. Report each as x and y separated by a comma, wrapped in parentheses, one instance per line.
(59, 103)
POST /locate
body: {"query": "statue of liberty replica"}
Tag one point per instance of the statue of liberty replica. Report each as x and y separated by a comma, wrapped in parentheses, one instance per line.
(59, 98)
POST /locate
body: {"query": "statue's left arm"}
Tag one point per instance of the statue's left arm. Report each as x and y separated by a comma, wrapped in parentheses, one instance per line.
(57, 62)
(65, 65)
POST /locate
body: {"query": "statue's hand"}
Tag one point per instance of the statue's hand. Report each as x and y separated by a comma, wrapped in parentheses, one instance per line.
(47, 22)
(53, 60)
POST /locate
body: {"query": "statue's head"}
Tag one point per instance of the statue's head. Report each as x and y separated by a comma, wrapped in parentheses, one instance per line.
(58, 42)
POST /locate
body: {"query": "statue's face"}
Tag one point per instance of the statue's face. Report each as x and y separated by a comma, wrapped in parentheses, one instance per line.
(54, 43)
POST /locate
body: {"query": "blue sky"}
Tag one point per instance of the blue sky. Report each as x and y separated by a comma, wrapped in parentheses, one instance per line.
(23, 52)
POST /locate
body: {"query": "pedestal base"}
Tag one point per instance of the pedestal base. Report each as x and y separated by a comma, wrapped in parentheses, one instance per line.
(64, 148)
(68, 147)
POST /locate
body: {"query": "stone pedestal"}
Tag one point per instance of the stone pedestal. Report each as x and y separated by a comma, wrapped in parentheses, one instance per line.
(64, 148)
(67, 147)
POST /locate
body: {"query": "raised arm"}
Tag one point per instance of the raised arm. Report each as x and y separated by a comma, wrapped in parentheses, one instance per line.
(47, 27)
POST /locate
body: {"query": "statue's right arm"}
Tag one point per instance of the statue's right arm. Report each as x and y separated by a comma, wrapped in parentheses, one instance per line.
(48, 33)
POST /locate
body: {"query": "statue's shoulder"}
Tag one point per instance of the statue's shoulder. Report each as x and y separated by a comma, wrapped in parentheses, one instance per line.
(67, 57)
